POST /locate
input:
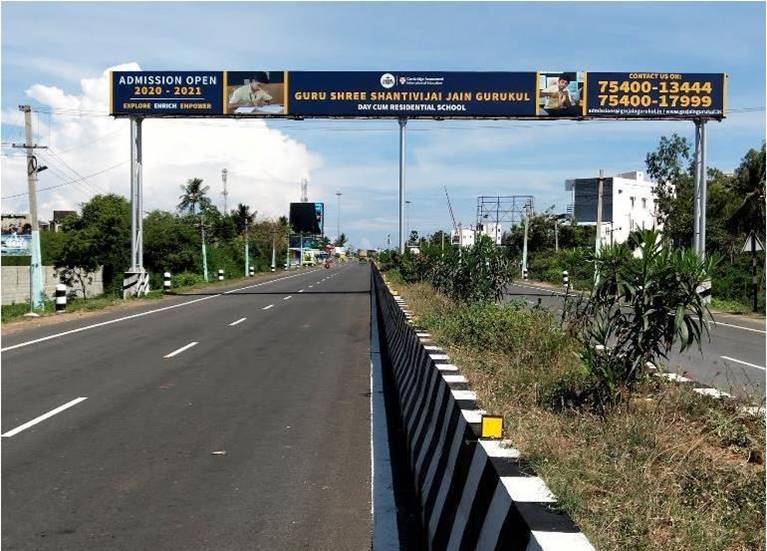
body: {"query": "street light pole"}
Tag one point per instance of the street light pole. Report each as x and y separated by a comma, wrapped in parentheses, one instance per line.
(338, 220)
(402, 124)
(247, 243)
(407, 221)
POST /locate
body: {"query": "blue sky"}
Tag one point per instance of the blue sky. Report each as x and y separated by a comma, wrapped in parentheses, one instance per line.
(73, 41)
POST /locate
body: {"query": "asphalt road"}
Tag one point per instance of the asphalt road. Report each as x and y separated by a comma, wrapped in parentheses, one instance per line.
(279, 381)
(733, 360)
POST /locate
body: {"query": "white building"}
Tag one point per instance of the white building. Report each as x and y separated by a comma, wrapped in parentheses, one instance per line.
(463, 236)
(628, 203)
(492, 230)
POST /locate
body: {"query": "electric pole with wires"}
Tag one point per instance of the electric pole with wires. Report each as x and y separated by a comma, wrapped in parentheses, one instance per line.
(36, 290)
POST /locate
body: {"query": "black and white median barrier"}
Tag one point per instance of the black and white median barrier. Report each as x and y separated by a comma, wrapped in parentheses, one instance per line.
(565, 280)
(252, 271)
(61, 297)
(166, 285)
(524, 274)
(135, 284)
(221, 275)
(475, 493)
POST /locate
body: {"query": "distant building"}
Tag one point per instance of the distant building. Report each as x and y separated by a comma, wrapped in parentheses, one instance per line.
(628, 203)
(492, 230)
(22, 223)
(59, 216)
(463, 236)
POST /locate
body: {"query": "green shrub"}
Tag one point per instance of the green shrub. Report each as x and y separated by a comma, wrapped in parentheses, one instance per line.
(640, 308)
(186, 279)
(480, 273)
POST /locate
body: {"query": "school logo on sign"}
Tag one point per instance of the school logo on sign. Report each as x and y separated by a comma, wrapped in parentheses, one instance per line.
(388, 80)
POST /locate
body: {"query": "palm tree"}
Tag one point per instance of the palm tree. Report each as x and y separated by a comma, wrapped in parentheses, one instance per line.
(194, 196)
(242, 217)
(749, 184)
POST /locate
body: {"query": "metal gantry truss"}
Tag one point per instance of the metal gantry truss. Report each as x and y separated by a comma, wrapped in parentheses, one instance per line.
(508, 210)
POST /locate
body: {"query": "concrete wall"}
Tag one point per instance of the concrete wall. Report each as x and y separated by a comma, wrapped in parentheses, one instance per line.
(15, 284)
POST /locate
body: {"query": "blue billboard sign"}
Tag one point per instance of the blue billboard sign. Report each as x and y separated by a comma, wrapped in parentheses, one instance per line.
(411, 94)
(167, 93)
(418, 94)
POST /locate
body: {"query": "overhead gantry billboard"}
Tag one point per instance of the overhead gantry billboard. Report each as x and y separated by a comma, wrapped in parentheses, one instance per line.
(419, 94)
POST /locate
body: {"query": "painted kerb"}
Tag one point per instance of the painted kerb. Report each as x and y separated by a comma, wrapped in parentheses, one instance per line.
(475, 494)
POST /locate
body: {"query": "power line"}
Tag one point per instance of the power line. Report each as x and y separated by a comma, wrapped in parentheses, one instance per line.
(70, 181)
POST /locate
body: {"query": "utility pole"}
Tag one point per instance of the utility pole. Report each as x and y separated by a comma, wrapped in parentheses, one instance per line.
(304, 190)
(699, 225)
(225, 193)
(274, 251)
(247, 243)
(204, 252)
(524, 243)
(388, 241)
(36, 290)
(556, 235)
(598, 240)
(287, 255)
(600, 193)
(338, 221)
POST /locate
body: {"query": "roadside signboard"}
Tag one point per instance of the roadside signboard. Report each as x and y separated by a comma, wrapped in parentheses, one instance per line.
(307, 218)
(14, 244)
(752, 244)
(564, 94)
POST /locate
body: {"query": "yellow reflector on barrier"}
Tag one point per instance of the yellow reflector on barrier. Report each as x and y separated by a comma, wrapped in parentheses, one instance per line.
(492, 426)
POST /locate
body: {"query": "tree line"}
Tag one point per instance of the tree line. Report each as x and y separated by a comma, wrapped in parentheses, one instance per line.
(100, 236)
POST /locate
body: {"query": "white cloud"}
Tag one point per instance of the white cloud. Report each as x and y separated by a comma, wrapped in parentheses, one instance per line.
(265, 165)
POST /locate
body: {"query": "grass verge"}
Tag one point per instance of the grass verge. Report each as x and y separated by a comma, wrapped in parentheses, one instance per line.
(668, 469)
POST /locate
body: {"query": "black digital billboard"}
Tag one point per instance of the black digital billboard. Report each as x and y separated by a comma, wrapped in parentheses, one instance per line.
(307, 218)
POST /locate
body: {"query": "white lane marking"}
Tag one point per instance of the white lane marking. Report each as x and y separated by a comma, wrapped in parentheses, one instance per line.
(301, 291)
(180, 350)
(288, 297)
(267, 307)
(236, 322)
(310, 286)
(744, 363)
(43, 417)
(715, 323)
(141, 314)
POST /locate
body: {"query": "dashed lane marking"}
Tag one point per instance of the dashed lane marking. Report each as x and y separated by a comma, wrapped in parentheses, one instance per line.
(180, 350)
(43, 417)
